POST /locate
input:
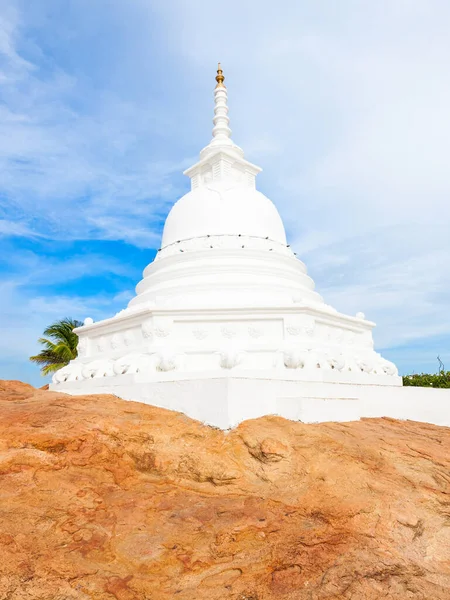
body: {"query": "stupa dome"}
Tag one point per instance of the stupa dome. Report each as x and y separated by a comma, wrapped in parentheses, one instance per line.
(223, 211)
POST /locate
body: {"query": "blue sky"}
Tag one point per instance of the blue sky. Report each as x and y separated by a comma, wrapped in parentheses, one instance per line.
(344, 105)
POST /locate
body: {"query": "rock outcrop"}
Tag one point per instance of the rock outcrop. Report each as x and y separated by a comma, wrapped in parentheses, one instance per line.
(105, 499)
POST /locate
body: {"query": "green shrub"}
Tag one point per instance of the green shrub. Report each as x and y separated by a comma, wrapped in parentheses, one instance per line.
(436, 380)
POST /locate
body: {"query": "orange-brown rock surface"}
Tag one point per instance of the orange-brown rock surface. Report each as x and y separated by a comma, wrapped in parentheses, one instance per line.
(104, 499)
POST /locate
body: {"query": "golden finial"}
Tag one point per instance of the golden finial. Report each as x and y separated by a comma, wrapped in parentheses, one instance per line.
(220, 77)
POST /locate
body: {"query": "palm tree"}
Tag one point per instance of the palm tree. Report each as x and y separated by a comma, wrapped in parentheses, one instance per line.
(60, 349)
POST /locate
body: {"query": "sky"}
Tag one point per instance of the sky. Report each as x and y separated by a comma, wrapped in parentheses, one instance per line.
(344, 104)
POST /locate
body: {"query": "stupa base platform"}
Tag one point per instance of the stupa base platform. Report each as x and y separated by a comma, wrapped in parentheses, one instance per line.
(225, 401)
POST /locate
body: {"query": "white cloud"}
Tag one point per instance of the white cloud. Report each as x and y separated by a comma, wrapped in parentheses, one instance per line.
(75, 167)
(9, 26)
(13, 229)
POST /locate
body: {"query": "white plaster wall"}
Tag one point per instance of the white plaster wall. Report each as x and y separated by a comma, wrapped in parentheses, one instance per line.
(225, 402)
(415, 403)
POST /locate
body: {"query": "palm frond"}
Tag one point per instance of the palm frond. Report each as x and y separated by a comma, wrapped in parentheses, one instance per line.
(59, 345)
(45, 359)
(48, 344)
(52, 368)
(63, 331)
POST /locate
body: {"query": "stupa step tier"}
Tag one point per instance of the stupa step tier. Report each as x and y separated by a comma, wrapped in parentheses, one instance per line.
(224, 277)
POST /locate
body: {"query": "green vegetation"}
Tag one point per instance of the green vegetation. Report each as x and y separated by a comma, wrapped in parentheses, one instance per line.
(59, 346)
(437, 380)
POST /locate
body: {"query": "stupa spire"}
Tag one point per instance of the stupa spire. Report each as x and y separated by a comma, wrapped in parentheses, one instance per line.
(221, 153)
(221, 130)
(221, 139)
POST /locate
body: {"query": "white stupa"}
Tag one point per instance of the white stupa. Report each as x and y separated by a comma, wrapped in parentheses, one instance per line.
(226, 324)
